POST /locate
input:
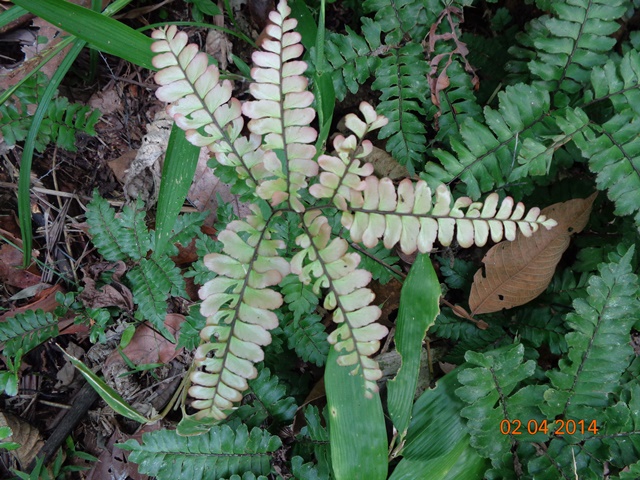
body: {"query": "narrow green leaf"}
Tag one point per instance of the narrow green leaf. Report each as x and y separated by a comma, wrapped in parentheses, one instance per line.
(10, 15)
(179, 167)
(357, 432)
(108, 394)
(106, 34)
(24, 180)
(419, 307)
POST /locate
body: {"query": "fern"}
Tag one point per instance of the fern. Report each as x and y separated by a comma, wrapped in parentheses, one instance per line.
(611, 150)
(300, 298)
(400, 18)
(27, 330)
(105, 230)
(400, 78)
(154, 278)
(488, 388)
(308, 338)
(354, 58)
(61, 123)
(268, 402)
(277, 161)
(571, 42)
(219, 453)
(601, 324)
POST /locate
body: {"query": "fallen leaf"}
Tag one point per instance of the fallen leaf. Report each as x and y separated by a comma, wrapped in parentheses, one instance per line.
(384, 165)
(206, 185)
(113, 463)
(112, 295)
(25, 434)
(148, 346)
(45, 300)
(11, 271)
(517, 272)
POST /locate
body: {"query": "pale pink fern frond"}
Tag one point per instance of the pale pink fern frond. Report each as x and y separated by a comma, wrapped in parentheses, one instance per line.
(282, 111)
(329, 265)
(238, 306)
(411, 217)
(202, 105)
(343, 172)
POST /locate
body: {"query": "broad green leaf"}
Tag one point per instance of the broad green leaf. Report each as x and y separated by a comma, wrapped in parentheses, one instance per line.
(419, 306)
(108, 394)
(437, 445)
(106, 34)
(357, 432)
(180, 164)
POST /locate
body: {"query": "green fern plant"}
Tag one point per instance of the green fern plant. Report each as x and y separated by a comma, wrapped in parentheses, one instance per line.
(62, 121)
(277, 161)
(153, 278)
(583, 413)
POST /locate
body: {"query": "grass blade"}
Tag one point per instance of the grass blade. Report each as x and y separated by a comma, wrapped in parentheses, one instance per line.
(24, 180)
(179, 167)
(103, 32)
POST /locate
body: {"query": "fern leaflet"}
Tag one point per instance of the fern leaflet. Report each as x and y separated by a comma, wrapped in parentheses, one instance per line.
(219, 453)
(27, 330)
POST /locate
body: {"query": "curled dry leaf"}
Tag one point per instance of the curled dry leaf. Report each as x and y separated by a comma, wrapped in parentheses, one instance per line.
(23, 433)
(517, 272)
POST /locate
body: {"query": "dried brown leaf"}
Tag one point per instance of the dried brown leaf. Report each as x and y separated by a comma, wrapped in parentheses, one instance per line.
(25, 434)
(517, 272)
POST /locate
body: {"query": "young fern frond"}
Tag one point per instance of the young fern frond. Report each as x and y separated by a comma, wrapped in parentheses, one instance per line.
(282, 111)
(334, 268)
(202, 105)
(238, 306)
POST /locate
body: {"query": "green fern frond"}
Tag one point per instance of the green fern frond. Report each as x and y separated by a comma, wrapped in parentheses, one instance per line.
(190, 329)
(354, 58)
(612, 150)
(404, 102)
(220, 453)
(400, 18)
(151, 297)
(599, 349)
(105, 230)
(300, 298)
(488, 387)
(27, 330)
(268, 401)
(457, 103)
(133, 238)
(307, 336)
(488, 155)
(186, 228)
(570, 43)
(617, 81)
(61, 123)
